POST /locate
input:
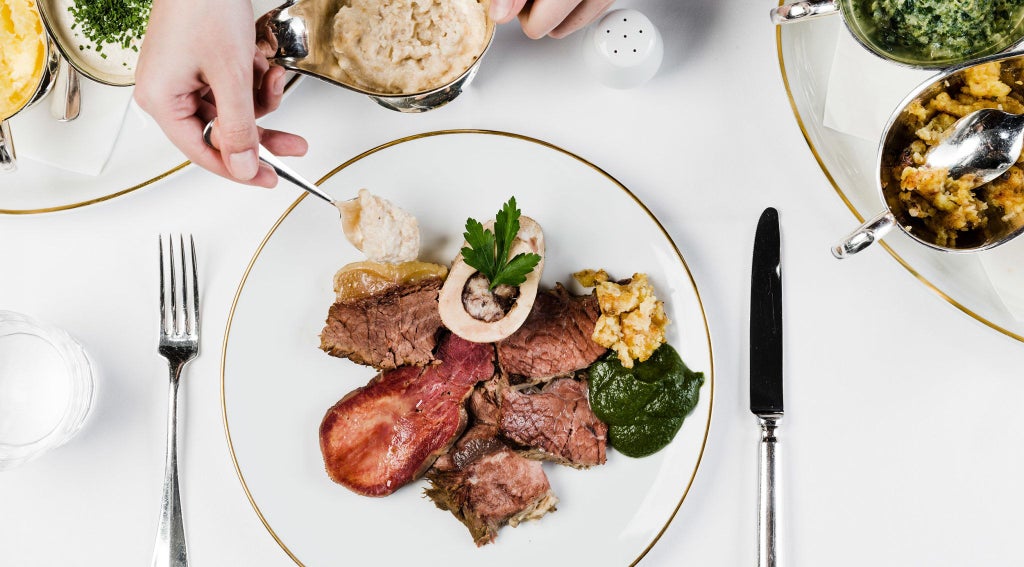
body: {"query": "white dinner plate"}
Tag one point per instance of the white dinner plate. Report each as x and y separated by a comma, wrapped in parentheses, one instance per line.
(141, 157)
(806, 52)
(277, 384)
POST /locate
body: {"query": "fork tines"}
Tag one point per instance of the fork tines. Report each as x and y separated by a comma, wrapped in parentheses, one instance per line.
(181, 318)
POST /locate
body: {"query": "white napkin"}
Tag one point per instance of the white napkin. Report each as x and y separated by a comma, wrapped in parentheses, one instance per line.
(1005, 268)
(864, 90)
(83, 145)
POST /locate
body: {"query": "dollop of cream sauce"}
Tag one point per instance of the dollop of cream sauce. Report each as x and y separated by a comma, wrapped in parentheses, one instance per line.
(380, 229)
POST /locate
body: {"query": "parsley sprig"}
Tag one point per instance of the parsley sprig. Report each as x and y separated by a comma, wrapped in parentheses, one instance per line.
(488, 251)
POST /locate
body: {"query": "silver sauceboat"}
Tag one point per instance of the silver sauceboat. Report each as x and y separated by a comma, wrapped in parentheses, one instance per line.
(298, 36)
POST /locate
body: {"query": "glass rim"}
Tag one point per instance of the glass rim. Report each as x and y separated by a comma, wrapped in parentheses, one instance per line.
(79, 377)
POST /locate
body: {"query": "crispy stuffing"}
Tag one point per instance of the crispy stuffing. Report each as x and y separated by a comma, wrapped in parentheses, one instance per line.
(952, 207)
(632, 321)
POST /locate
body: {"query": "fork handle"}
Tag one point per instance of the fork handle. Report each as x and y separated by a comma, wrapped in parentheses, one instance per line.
(170, 535)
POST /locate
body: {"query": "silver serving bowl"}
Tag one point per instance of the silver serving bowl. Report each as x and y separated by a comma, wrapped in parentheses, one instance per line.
(298, 36)
(8, 157)
(897, 135)
(806, 9)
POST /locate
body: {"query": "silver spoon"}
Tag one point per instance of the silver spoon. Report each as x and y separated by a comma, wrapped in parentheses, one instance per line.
(279, 166)
(349, 209)
(984, 143)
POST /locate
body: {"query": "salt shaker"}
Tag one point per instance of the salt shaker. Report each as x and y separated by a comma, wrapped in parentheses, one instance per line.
(623, 49)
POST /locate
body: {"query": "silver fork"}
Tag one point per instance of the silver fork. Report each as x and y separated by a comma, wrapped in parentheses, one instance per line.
(179, 343)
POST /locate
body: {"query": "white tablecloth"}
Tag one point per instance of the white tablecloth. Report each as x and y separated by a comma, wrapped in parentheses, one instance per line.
(901, 443)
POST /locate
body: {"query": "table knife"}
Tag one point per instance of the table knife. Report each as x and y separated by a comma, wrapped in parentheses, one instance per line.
(766, 370)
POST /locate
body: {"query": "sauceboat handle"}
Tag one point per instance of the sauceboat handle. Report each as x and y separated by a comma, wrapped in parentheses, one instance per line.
(865, 235)
(8, 158)
(805, 10)
(67, 105)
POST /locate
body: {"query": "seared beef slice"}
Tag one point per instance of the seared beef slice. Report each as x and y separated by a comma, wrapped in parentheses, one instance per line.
(396, 327)
(556, 421)
(384, 435)
(556, 339)
(486, 485)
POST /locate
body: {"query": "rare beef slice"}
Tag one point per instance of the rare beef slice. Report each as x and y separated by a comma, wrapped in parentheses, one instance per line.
(553, 423)
(556, 422)
(556, 339)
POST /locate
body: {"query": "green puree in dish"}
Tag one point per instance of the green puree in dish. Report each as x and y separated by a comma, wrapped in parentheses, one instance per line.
(938, 29)
(644, 406)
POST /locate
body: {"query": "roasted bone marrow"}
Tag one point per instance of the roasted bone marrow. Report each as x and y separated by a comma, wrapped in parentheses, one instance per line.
(466, 313)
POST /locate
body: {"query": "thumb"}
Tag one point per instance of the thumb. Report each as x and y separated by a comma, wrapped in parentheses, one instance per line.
(236, 120)
(502, 11)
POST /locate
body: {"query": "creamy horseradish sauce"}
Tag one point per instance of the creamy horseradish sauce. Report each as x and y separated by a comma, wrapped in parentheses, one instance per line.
(107, 33)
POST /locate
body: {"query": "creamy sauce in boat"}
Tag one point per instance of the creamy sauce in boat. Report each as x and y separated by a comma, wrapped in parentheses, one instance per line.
(112, 60)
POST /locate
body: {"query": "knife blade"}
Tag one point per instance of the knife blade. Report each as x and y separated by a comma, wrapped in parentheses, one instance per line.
(766, 318)
(766, 371)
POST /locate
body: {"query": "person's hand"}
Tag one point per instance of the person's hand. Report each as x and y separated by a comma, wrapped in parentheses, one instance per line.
(199, 62)
(556, 18)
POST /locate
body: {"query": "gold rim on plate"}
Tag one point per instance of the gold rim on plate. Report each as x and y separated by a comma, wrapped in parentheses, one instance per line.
(69, 206)
(287, 88)
(860, 218)
(256, 255)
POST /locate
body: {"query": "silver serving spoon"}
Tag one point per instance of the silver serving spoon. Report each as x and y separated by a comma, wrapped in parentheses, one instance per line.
(348, 209)
(984, 143)
(279, 166)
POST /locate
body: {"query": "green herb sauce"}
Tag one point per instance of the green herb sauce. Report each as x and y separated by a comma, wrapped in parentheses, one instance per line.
(111, 22)
(937, 30)
(644, 406)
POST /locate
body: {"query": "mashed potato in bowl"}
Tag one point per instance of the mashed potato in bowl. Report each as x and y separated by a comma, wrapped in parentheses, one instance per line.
(22, 54)
(408, 46)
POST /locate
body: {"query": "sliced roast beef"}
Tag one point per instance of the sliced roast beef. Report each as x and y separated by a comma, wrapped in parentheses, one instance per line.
(392, 328)
(553, 423)
(384, 435)
(556, 339)
(483, 403)
(486, 485)
(556, 422)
